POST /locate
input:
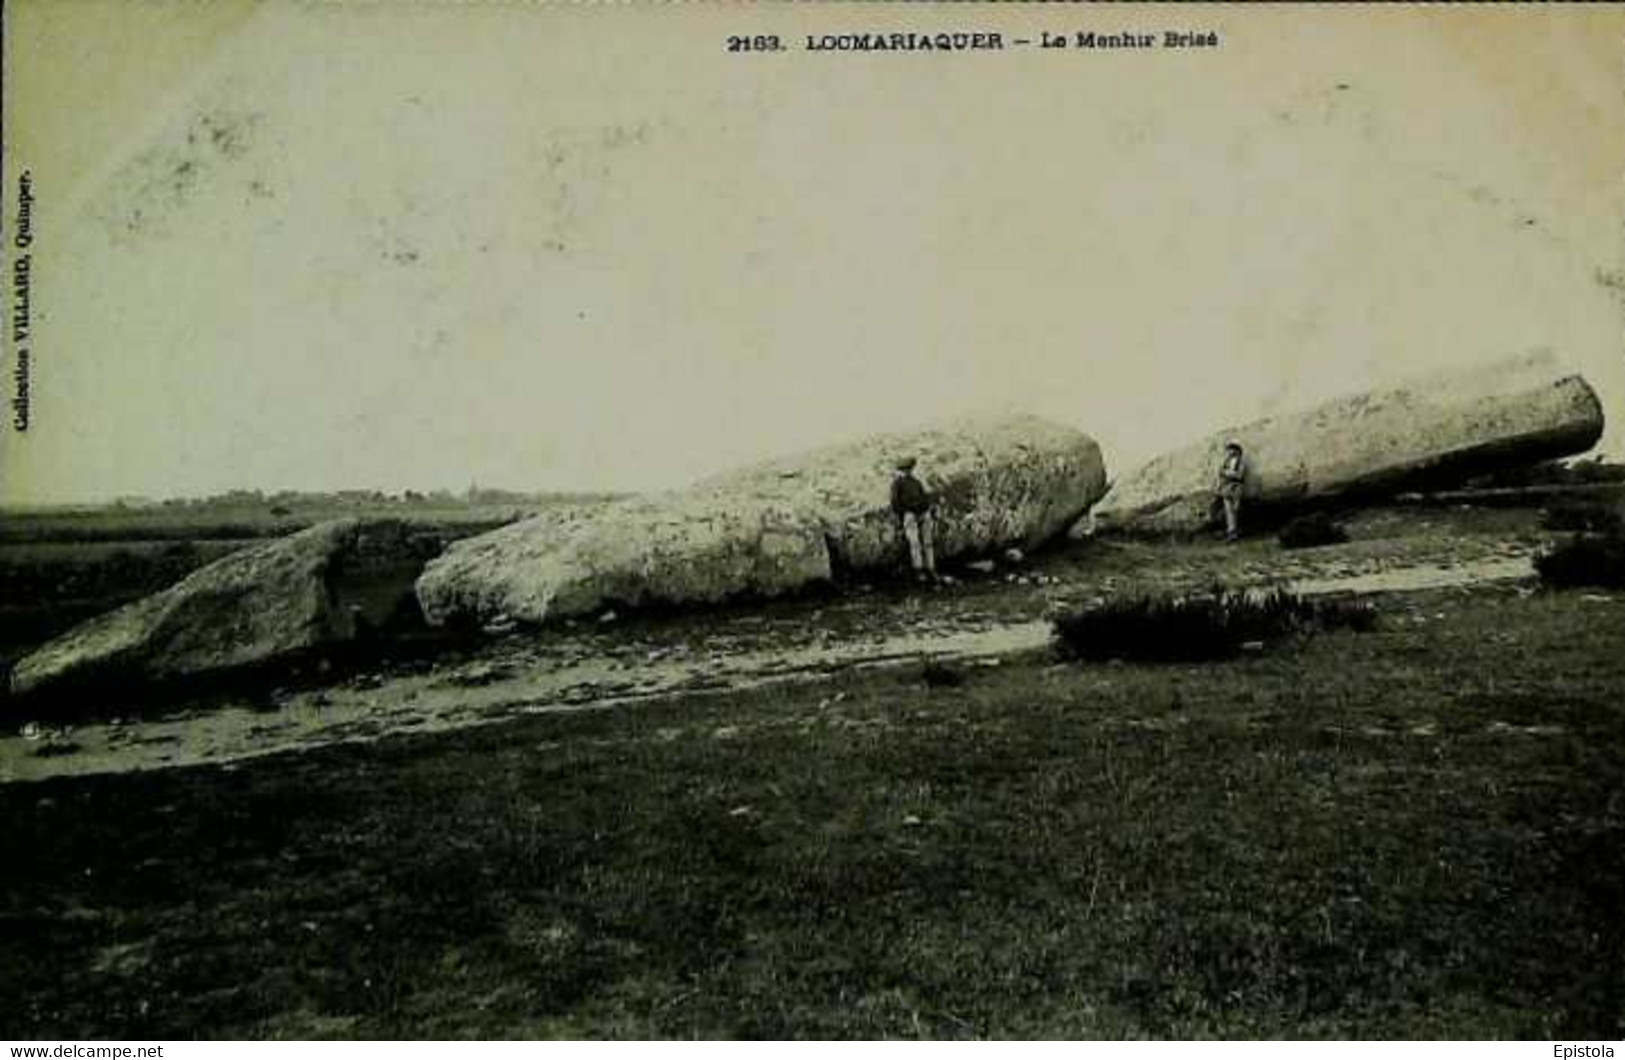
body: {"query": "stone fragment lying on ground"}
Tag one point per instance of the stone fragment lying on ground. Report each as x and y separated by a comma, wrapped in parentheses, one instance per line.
(1445, 427)
(772, 528)
(322, 586)
(665, 549)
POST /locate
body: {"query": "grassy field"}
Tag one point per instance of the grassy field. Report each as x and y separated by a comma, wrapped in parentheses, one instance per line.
(1416, 831)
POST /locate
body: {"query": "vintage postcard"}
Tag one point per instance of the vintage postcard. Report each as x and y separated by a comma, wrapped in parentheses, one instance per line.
(812, 520)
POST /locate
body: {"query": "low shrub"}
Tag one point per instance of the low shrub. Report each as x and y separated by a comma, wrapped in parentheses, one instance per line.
(1596, 470)
(1593, 471)
(1585, 560)
(1312, 531)
(1211, 625)
(1585, 517)
(938, 675)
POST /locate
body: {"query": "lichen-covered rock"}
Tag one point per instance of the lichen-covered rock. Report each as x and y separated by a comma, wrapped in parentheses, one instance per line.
(773, 527)
(317, 587)
(641, 551)
(1446, 426)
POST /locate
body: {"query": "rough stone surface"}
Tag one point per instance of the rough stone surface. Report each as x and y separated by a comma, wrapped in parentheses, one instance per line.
(664, 549)
(321, 586)
(773, 527)
(1445, 426)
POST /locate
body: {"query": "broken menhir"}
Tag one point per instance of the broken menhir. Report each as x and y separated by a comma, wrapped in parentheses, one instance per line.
(1439, 429)
(774, 527)
(333, 584)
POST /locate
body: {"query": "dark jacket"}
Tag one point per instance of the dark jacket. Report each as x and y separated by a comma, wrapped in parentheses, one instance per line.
(908, 494)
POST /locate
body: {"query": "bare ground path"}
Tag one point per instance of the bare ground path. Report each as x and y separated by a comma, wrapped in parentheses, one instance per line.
(981, 620)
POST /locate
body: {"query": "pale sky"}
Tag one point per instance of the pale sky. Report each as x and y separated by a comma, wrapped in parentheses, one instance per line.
(392, 245)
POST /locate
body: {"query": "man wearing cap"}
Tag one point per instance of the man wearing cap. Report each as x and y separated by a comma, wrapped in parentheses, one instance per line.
(911, 503)
(1232, 477)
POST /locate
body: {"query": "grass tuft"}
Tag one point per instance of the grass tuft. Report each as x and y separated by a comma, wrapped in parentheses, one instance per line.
(939, 675)
(1212, 625)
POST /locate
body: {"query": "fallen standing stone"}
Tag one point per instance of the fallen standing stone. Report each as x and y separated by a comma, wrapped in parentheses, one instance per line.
(319, 587)
(1380, 443)
(774, 528)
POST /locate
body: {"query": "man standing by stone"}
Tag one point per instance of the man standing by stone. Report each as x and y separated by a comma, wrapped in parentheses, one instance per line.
(912, 505)
(1232, 477)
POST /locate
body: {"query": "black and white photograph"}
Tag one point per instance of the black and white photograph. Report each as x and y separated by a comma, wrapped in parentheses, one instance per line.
(824, 521)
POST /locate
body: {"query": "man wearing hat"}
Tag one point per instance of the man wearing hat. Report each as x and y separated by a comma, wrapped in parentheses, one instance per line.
(911, 503)
(1232, 477)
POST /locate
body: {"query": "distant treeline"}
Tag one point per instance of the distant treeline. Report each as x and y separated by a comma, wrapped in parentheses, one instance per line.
(474, 496)
(239, 516)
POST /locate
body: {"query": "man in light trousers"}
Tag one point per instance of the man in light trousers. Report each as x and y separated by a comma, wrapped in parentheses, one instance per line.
(1232, 480)
(912, 505)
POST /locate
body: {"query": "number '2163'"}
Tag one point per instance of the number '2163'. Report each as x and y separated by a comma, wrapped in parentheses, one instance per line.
(755, 44)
